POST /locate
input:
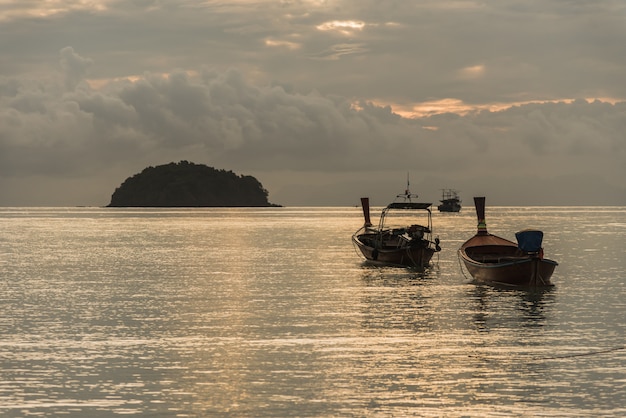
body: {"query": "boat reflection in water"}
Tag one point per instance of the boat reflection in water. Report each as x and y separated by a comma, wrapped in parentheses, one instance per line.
(498, 308)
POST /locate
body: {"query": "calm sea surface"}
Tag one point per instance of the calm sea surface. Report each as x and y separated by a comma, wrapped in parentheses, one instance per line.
(271, 313)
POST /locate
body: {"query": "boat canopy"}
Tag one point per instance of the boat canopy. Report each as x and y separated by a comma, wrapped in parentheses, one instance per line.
(408, 205)
(529, 240)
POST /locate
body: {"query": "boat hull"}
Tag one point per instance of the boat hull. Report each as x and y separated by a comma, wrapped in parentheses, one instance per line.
(449, 208)
(527, 271)
(407, 257)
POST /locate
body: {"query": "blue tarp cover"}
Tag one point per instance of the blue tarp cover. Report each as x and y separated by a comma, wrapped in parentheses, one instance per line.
(529, 240)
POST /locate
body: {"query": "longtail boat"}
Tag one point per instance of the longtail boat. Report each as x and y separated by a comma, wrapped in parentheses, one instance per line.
(403, 236)
(495, 260)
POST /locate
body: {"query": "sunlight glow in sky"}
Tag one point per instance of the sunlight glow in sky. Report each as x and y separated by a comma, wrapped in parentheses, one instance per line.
(345, 27)
(280, 43)
(474, 71)
(46, 8)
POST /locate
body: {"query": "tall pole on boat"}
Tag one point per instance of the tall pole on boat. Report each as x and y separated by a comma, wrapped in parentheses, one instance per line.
(408, 185)
(407, 191)
(479, 202)
(365, 204)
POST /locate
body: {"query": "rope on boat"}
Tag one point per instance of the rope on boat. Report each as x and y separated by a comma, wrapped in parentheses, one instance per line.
(357, 251)
(458, 256)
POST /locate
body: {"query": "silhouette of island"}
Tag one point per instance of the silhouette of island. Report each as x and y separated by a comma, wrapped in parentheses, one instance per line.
(186, 184)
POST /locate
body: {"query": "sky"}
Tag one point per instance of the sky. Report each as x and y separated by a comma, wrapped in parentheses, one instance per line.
(521, 101)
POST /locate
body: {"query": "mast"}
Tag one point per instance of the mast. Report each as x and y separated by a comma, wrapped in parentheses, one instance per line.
(407, 192)
(479, 202)
(365, 204)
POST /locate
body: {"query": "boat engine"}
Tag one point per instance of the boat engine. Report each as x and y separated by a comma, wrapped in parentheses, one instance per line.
(417, 231)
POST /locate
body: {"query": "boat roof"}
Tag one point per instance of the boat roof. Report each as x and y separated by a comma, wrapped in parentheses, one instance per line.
(408, 205)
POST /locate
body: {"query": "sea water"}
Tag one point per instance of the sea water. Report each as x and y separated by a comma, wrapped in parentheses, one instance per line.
(270, 312)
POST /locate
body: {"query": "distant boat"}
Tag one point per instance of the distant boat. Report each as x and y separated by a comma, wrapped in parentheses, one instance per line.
(393, 242)
(495, 260)
(450, 201)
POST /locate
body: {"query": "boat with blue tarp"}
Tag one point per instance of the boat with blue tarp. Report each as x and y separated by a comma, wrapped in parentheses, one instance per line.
(495, 260)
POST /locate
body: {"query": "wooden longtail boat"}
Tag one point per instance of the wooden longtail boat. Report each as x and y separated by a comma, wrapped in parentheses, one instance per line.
(398, 240)
(495, 260)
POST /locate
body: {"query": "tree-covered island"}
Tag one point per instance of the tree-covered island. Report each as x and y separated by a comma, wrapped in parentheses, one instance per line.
(186, 184)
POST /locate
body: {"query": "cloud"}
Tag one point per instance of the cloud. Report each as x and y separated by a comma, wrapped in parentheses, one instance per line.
(74, 67)
(222, 119)
(458, 93)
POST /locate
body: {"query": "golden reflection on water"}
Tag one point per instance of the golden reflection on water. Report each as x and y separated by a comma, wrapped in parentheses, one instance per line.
(270, 312)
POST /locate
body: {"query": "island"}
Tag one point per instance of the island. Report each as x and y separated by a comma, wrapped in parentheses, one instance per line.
(185, 184)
